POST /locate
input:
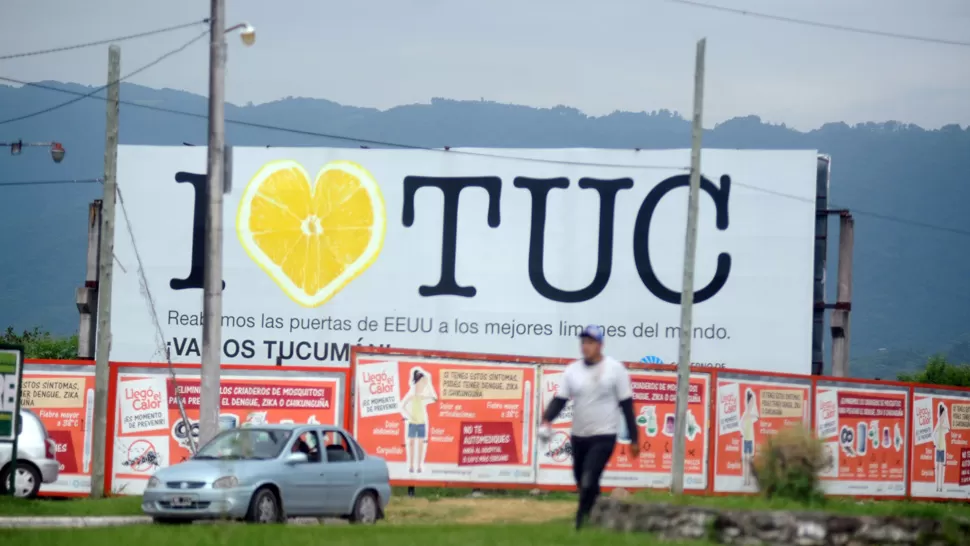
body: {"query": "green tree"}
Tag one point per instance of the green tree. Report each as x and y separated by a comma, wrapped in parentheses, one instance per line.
(39, 343)
(940, 372)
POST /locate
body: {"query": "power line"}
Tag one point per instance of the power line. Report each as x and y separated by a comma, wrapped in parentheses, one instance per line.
(819, 24)
(51, 182)
(82, 96)
(356, 140)
(103, 42)
(855, 211)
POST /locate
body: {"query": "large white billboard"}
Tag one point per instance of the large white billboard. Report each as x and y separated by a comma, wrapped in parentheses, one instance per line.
(498, 251)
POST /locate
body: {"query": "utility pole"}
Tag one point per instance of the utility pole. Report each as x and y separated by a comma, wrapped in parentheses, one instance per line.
(212, 281)
(105, 262)
(843, 297)
(687, 292)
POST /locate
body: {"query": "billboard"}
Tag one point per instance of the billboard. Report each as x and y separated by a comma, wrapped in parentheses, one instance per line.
(495, 251)
(941, 444)
(148, 430)
(749, 411)
(654, 397)
(447, 420)
(61, 395)
(865, 433)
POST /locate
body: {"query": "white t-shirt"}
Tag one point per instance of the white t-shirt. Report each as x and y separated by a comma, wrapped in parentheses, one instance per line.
(596, 391)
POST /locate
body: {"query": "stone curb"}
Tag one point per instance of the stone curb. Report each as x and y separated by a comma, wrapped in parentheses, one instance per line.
(69, 521)
(35, 522)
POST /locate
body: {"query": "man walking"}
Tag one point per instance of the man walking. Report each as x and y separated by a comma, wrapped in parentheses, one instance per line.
(599, 387)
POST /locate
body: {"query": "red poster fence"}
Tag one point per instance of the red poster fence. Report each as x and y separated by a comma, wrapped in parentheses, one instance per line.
(449, 419)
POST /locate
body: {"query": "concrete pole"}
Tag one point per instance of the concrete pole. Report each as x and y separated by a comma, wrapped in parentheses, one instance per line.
(105, 275)
(687, 292)
(843, 297)
(212, 280)
(86, 296)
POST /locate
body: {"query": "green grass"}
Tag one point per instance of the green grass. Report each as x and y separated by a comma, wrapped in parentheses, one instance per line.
(115, 506)
(845, 506)
(242, 535)
(131, 506)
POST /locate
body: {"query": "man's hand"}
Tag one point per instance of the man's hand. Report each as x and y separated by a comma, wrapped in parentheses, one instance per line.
(635, 450)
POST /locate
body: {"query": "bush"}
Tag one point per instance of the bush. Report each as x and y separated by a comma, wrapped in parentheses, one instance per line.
(39, 343)
(788, 464)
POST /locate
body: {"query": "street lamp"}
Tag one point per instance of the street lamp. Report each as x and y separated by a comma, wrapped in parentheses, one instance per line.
(56, 148)
(246, 33)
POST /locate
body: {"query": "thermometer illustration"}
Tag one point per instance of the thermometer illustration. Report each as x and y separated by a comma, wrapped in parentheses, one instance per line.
(88, 429)
(526, 415)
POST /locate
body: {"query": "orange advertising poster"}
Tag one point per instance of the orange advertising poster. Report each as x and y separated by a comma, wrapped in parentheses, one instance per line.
(746, 414)
(63, 398)
(444, 420)
(654, 397)
(864, 431)
(941, 445)
(150, 432)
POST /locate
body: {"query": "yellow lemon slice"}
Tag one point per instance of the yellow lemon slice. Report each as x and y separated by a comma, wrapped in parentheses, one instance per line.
(312, 238)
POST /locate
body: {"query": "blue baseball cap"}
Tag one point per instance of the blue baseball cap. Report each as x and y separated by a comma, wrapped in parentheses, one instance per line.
(593, 332)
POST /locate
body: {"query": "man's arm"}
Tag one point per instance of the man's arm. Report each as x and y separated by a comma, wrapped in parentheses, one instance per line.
(553, 410)
(559, 401)
(624, 393)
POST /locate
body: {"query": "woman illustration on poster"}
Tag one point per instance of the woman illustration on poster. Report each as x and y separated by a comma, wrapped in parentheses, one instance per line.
(748, 419)
(414, 409)
(939, 441)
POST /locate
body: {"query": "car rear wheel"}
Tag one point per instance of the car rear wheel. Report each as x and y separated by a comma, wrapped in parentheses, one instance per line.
(264, 507)
(366, 509)
(26, 483)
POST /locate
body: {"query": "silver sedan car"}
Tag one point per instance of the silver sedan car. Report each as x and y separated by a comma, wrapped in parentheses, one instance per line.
(265, 474)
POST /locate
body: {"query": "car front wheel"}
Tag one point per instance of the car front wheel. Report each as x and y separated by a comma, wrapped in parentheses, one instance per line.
(264, 507)
(366, 509)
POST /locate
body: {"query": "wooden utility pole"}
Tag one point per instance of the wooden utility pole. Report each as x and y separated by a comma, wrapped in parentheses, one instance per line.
(687, 291)
(843, 297)
(105, 264)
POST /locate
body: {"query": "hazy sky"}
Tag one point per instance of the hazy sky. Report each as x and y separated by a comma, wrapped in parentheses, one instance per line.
(596, 55)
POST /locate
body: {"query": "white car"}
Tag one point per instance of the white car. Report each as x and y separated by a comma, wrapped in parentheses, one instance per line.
(36, 463)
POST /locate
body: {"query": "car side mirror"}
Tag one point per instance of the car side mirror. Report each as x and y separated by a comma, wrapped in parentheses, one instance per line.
(296, 458)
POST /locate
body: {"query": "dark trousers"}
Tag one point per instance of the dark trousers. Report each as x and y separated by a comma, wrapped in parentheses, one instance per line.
(590, 455)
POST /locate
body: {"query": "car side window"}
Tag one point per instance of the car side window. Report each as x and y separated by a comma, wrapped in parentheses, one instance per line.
(338, 448)
(309, 444)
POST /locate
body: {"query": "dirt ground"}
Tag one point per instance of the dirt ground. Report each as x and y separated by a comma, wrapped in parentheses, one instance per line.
(477, 510)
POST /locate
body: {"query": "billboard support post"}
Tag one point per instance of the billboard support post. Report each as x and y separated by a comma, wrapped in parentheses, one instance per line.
(843, 298)
(687, 291)
(105, 276)
(823, 166)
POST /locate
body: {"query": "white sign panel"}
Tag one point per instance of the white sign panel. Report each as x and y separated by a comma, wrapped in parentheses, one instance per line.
(498, 251)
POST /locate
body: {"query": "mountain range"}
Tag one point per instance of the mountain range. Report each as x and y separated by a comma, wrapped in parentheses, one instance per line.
(910, 291)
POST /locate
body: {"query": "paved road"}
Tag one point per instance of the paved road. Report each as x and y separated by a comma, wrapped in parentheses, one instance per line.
(109, 521)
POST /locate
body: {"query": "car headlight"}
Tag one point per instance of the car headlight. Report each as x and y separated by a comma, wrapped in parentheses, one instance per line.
(225, 482)
(153, 482)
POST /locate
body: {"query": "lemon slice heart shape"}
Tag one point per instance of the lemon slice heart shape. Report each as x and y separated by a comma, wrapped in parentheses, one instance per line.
(312, 238)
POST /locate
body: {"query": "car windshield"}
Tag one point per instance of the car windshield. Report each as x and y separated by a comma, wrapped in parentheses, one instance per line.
(245, 443)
